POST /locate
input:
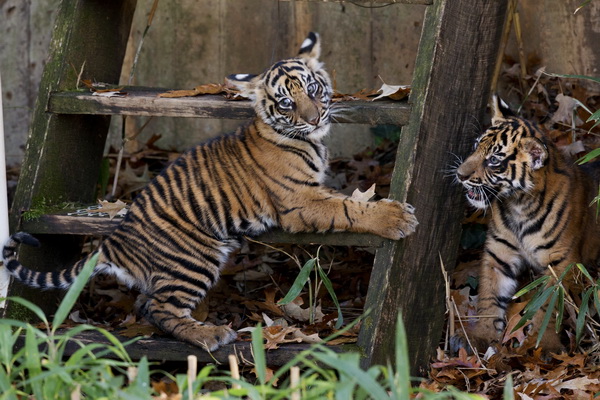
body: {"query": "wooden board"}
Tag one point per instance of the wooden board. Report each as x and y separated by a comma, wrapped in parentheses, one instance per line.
(58, 166)
(459, 48)
(167, 349)
(145, 102)
(62, 224)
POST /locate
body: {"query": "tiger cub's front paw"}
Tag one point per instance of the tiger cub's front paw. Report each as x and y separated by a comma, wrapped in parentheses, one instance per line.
(214, 337)
(398, 220)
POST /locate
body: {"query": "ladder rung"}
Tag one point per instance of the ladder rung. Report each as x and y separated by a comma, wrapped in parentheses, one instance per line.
(168, 349)
(425, 2)
(145, 102)
(63, 224)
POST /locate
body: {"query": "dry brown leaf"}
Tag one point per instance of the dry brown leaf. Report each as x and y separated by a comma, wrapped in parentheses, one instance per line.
(566, 107)
(276, 335)
(394, 92)
(364, 196)
(209, 88)
(113, 209)
(342, 340)
(294, 311)
(576, 384)
(201, 312)
(135, 330)
(314, 338)
(268, 375)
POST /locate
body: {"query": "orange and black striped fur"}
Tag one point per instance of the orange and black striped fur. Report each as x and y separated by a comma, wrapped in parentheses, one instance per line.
(540, 218)
(181, 228)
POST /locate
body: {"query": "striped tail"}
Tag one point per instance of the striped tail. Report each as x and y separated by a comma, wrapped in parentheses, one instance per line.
(60, 279)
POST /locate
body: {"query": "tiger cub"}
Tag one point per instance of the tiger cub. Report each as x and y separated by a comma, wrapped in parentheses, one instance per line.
(540, 217)
(181, 228)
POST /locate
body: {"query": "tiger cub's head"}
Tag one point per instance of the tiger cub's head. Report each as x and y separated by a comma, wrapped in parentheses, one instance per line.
(293, 96)
(505, 159)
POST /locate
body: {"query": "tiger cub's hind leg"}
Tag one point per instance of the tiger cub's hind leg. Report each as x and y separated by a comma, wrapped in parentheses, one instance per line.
(173, 317)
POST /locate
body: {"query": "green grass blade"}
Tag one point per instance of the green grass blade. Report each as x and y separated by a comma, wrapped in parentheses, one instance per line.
(589, 78)
(71, 297)
(508, 389)
(329, 286)
(33, 360)
(402, 362)
(547, 317)
(299, 282)
(362, 378)
(258, 350)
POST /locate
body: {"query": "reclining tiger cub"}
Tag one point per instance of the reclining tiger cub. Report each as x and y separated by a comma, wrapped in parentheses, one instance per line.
(540, 218)
(181, 228)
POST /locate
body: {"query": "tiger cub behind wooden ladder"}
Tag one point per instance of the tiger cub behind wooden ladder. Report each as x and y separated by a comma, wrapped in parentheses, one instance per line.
(540, 217)
(181, 228)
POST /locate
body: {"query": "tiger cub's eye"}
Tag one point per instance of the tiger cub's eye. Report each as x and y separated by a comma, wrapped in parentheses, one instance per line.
(285, 104)
(493, 160)
(312, 89)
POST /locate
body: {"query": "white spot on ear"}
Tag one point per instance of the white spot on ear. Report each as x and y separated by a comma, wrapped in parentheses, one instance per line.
(241, 77)
(307, 43)
(504, 104)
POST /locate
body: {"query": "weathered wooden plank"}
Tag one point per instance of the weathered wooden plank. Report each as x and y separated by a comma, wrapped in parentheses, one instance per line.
(456, 59)
(145, 102)
(58, 166)
(167, 349)
(371, 1)
(63, 224)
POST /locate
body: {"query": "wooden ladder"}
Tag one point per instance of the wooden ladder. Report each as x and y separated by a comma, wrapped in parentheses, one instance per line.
(456, 58)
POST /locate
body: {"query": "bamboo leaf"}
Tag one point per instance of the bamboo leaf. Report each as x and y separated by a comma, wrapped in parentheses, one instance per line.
(583, 309)
(547, 317)
(531, 286)
(299, 282)
(584, 271)
(533, 306)
(560, 309)
(329, 287)
(589, 156)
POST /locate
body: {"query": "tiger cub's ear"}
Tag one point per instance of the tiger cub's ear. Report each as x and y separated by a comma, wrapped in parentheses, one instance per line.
(500, 110)
(245, 83)
(536, 151)
(311, 47)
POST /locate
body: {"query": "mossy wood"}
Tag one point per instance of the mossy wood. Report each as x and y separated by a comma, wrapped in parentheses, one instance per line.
(457, 55)
(62, 159)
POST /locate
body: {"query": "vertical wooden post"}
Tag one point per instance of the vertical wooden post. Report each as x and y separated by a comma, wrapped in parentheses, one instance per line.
(63, 154)
(456, 59)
